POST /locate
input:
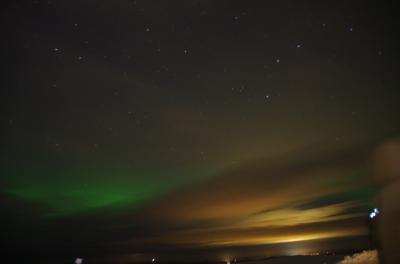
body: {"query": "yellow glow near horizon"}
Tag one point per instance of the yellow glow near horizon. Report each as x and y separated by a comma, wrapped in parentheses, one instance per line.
(288, 238)
(291, 216)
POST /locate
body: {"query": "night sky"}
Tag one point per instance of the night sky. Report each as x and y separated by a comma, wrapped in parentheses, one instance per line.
(192, 130)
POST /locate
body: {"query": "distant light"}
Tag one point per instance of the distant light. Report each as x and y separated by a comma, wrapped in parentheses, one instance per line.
(78, 261)
(372, 215)
(153, 260)
(374, 212)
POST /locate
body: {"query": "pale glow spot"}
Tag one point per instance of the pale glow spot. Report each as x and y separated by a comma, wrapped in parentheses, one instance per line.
(374, 213)
(365, 257)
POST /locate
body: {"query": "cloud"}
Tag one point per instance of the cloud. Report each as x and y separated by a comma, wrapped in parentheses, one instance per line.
(260, 203)
(365, 257)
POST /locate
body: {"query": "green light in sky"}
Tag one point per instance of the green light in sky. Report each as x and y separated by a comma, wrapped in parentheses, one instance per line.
(65, 200)
(69, 194)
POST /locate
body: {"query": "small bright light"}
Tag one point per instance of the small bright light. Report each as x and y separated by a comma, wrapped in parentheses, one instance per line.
(153, 260)
(372, 215)
(374, 212)
(78, 261)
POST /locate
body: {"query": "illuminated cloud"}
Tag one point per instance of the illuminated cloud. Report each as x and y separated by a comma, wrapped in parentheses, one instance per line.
(365, 257)
(270, 205)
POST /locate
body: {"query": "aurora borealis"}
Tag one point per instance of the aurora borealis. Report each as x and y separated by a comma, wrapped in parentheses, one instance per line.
(192, 130)
(94, 189)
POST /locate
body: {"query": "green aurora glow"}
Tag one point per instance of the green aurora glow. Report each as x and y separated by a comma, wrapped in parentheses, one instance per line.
(64, 195)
